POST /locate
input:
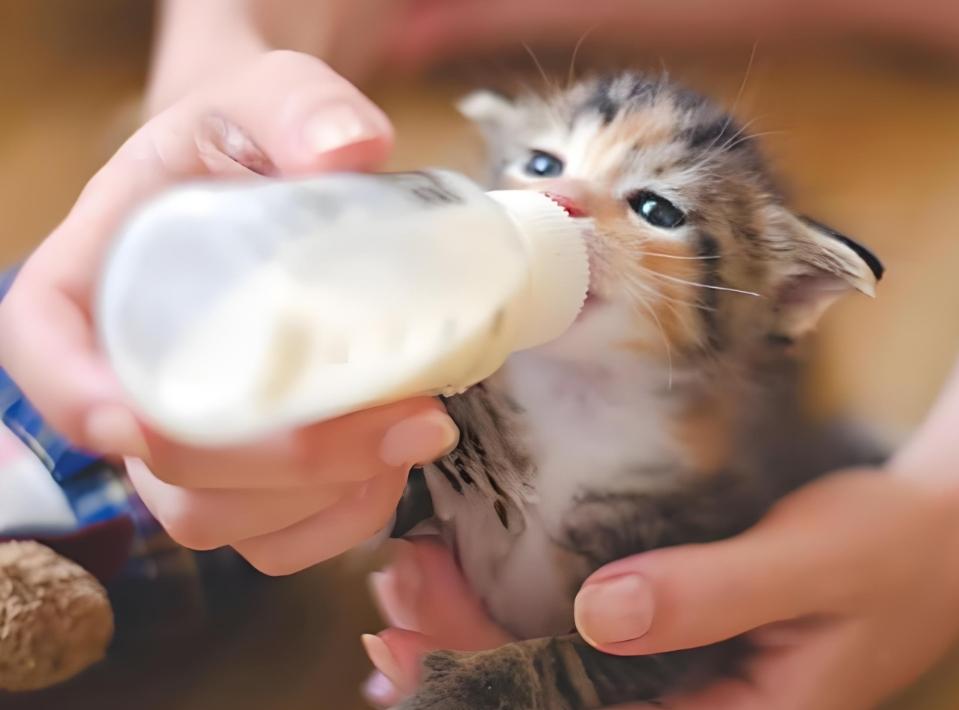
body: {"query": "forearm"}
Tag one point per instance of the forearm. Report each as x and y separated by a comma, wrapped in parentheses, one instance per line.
(932, 454)
(201, 39)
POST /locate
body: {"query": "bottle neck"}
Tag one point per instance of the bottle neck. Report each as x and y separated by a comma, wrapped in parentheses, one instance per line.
(558, 264)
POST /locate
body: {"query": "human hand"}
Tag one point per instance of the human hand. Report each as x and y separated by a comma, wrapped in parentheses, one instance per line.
(285, 503)
(847, 588)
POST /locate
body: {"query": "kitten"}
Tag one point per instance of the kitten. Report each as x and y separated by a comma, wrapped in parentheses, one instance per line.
(667, 414)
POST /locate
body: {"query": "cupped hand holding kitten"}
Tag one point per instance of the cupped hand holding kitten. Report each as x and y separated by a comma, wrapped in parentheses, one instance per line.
(847, 589)
(285, 503)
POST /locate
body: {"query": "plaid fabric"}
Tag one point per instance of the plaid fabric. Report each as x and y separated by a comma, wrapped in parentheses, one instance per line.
(61, 459)
(96, 490)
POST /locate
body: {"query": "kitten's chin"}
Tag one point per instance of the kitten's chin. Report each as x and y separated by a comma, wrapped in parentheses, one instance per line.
(590, 304)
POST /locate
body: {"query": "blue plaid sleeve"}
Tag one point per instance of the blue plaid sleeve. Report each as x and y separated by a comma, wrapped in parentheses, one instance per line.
(96, 490)
(62, 459)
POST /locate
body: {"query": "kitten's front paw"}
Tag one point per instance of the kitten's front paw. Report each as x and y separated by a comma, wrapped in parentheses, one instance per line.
(501, 679)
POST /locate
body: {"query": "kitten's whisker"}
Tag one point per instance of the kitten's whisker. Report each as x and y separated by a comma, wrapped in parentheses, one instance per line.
(688, 304)
(672, 299)
(662, 331)
(742, 85)
(675, 256)
(663, 69)
(550, 87)
(570, 76)
(739, 96)
(708, 152)
(742, 130)
(733, 142)
(752, 136)
(699, 285)
(549, 103)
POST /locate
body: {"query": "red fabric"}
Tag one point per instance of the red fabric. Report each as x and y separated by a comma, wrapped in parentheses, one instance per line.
(102, 548)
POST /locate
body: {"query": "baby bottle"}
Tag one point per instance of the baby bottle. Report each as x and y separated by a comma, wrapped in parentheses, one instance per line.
(231, 310)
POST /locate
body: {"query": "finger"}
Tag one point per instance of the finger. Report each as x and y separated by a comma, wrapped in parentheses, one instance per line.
(328, 533)
(784, 568)
(689, 596)
(298, 113)
(379, 691)
(423, 590)
(398, 654)
(207, 519)
(352, 448)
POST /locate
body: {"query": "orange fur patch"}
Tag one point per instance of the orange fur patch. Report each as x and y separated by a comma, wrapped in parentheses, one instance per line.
(705, 433)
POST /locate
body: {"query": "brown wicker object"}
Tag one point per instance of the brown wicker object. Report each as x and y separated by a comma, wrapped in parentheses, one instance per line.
(55, 618)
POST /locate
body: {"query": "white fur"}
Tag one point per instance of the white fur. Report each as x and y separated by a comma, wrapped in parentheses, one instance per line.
(596, 415)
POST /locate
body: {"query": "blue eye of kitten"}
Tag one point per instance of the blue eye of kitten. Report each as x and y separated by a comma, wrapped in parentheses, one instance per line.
(542, 164)
(656, 210)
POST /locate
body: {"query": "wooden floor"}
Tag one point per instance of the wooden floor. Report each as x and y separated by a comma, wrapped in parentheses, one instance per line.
(868, 141)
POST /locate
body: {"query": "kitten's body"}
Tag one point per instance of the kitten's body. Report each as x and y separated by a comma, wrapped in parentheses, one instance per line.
(668, 414)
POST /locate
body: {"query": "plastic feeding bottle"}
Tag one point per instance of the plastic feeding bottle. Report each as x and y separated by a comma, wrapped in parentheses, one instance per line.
(229, 311)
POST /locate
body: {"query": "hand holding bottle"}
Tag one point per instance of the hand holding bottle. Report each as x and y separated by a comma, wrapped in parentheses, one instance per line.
(305, 494)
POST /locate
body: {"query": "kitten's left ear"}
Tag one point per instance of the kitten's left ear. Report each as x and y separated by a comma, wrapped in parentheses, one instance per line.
(494, 113)
(820, 266)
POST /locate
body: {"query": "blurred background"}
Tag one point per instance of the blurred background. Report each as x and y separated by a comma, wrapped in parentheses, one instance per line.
(866, 135)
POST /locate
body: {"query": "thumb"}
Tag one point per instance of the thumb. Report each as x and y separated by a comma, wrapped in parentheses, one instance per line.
(303, 115)
(788, 566)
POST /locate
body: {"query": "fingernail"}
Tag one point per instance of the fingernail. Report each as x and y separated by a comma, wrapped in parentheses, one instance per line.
(614, 610)
(379, 690)
(381, 657)
(338, 126)
(420, 439)
(112, 429)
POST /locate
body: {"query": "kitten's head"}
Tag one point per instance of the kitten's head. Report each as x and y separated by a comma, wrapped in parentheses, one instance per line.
(690, 242)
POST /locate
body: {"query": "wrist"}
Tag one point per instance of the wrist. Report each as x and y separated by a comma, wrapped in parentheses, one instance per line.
(931, 456)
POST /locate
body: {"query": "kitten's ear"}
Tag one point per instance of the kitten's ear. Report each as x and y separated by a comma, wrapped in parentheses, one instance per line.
(492, 112)
(819, 266)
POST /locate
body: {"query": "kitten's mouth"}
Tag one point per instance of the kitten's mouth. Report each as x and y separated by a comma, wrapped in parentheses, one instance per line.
(591, 301)
(568, 204)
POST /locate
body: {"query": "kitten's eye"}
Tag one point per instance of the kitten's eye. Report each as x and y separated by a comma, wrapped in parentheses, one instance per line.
(656, 210)
(542, 164)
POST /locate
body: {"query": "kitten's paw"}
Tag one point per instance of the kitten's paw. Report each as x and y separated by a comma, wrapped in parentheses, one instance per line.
(501, 679)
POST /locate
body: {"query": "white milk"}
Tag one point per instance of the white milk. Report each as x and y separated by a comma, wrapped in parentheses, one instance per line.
(232, 310)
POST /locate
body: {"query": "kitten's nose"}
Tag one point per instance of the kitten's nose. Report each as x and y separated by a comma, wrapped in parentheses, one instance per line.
(571, 195)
